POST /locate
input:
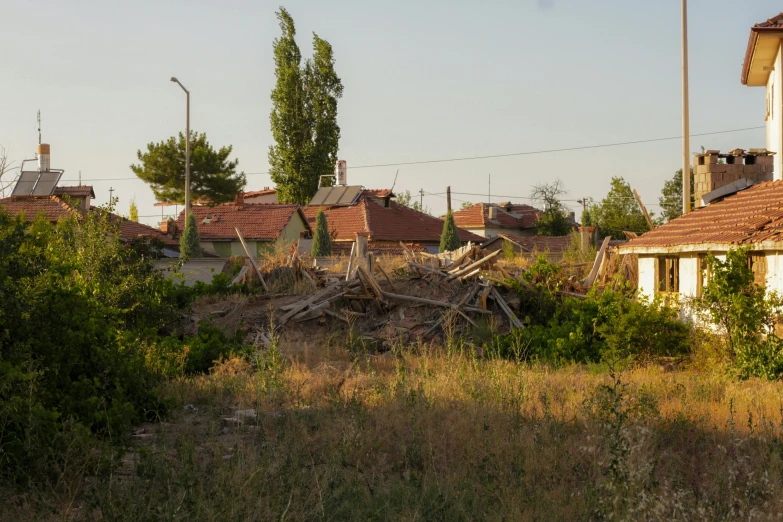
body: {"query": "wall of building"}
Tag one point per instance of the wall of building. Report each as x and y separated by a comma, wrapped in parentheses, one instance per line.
(193, 270)
(689, 275)
(774, 116)
(646, 276)
(293, 230)
(491, 232)
(265, 198)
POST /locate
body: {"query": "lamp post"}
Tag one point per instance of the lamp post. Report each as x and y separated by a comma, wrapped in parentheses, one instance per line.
(187, 150)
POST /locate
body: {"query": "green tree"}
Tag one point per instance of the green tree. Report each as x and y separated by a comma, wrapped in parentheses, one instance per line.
(618, 212)
(304, 115)
(465, 204)
(671, 197)
(322, 242)
(133, 211)
(189, 245)
(212, 175)
(449, 238)
(553, 221)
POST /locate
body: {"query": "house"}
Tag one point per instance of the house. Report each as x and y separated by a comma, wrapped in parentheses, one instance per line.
(491, 219)
(352, 210)
(763, 66)
(672, 257)
(263, 226)
(266, 195)
(66, 202)
(552, 247)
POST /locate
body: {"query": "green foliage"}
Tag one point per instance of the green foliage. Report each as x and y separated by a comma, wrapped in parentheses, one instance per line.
(553, 221)
(449, 238)
(78, 309)
(618, 212)
(189, 243)
(606, 325)
(212, 175)
(304, 115)
(208, 346)
(671, 197)
(745, 313)
(508, 250)
(322, 241)
(406, 199)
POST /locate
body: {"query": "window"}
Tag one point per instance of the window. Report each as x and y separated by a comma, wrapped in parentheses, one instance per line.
(668, 275)
(757, 262)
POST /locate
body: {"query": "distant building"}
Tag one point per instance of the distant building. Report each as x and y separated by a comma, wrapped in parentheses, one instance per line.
(492, 219)
(263, 226)
(266, 195)
(351, 210)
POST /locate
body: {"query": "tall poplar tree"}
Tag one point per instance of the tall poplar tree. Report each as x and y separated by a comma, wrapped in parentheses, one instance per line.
(304, 115)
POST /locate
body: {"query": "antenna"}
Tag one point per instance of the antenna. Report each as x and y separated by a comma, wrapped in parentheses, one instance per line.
(39, 126)
(80, 178)
(395, 180)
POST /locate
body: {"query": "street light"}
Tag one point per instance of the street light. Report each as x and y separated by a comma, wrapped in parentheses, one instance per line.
(187, 150)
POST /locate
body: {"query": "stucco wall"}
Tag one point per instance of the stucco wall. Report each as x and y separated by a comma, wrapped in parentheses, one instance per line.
(492, 232)
(646, 277)
(293, 229)
(775, 117)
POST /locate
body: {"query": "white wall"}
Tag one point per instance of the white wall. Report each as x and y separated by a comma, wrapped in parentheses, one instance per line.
(775, 117)
(646, 276)
(775, 271)
(689, 275)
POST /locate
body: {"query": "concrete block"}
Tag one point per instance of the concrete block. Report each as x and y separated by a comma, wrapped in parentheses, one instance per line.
(764, 160)
(718, 167)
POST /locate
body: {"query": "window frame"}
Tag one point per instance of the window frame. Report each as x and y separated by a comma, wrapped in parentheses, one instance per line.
(670, 282)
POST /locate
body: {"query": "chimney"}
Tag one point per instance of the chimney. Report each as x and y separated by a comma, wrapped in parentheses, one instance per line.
(239, 201)
(586, 236)
(713, 170)
(43, 157)
(493, 212)
(341, 172)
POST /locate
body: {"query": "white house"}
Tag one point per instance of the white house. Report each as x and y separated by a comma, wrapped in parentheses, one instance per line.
(672, 257)
(763, 66)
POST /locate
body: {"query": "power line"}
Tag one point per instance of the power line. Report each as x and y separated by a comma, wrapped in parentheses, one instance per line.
(506, 155)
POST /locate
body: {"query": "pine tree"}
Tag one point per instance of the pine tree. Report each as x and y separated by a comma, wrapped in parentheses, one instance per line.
(322, 242)
(449, 238)
(189, 245)
(304, 115)
(133, 211)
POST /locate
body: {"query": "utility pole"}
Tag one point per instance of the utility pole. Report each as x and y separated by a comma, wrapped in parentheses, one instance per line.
(111, 192)
(686, 143)
(187, 147)
(421, 200)
(448, 199)
(489, 188)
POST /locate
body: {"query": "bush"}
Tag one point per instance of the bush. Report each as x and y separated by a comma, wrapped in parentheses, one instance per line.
(745, 314)
(78, 308)
(603, 325)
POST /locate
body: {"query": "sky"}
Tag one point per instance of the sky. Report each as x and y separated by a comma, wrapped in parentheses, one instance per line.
(424, 80)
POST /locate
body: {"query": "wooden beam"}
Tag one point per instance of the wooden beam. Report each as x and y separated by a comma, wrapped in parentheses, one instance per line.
(644, 210)
(599, 258)
(350, 262)
(473, 266)
(252, 261)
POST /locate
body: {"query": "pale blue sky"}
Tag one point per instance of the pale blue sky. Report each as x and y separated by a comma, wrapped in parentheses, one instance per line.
(423, 80)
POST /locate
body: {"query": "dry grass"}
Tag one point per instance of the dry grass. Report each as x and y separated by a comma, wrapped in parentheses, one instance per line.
(427, 435)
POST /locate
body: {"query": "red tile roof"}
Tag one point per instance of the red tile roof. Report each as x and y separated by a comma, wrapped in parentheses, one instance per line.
(773, 24)
(378, 248)
(747, 217)
(393, 223)
(77, 191)
(378, 193)
(256, 221)
(52, 207)
(477, 216)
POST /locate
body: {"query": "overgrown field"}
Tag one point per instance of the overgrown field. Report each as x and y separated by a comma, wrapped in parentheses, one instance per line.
(432, 435)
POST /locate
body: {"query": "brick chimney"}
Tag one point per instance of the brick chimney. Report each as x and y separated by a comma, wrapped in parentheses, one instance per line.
(492, 212)
(713, 170)
(239, 201)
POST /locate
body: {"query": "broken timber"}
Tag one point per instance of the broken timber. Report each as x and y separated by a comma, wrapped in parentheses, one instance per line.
(599, 258)
(473, 266)
(252, 261)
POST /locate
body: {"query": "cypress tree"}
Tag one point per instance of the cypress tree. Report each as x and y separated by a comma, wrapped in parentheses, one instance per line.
(449, 238)
(189, 245)
(322, 242)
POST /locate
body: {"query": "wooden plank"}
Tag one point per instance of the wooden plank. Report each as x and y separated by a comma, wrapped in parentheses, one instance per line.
(350, 262)
(301, 305)
(252, 261)
(427, 269)
(370, 282)
(413, 299)
(385, 275)
(473, 265)
(512, 317)
(599, 257)
(239, 276)
(644, 210)
(312, 313)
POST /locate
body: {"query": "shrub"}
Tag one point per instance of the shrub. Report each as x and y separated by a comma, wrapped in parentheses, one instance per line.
(449, 238)
(745, 314)
(189, 244)
(322, 242)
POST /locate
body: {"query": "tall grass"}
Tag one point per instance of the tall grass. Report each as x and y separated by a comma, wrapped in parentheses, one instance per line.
(436, 434)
